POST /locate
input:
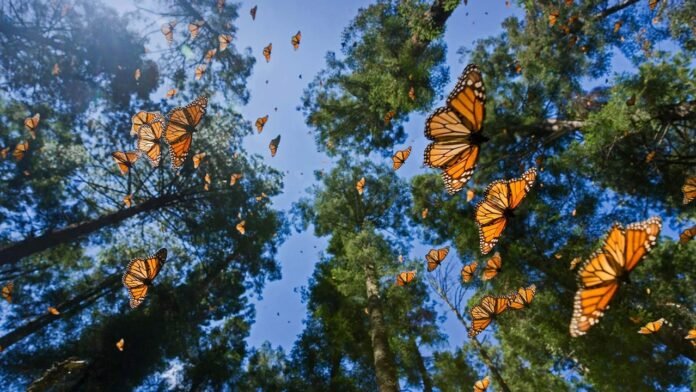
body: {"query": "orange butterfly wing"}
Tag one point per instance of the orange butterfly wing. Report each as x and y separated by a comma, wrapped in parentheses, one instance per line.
(404, 278)
(125, 160)
(180, 128)
(267, 52)
(400, 158)
(523, 297)
(261, 122)
(455, 131)
(482, 385)
(139, 276)
(493, 266)
(273, 146)
(483, 314)
(689, 190)
(468, 272)
(435, 257)
(295, 40)
(31, 123)
(687, 235)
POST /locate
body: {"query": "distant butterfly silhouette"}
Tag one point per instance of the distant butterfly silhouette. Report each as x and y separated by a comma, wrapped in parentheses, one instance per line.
(168, 31)
(360, 186)
(31, 123)
(253, 12)
(273, 146)
(224, 40)
(20, 150)
(261, 122)
(7, 291)
(267, 52)
(404, 278)
(195, 27)
(482, 385)
(295, 40)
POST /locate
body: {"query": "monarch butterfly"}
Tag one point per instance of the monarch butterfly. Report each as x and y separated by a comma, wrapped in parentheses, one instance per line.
(617, 26)
(200, 71)
(4, 152)
(468, 272)
(650, 156)
(171, 93)
(53, 311)
(168, 31)
(267, 52)
(20, 150)
(56, 69)
(485, 312)
(241, 227)
(224, 40)
(234, 178)
(180, 128)
(153, 119)
(687, 235)
(252, 11)
(120, 344)
(261, 122)
(136, 74)
(553, 18)
(522, 297)
(689, 189)
(435, 257)
(424, 213)
(482, 384)
(125, 160)
(207, 181)
(209, 55)
(456, 131)
(651, 327)
(273, 146)
(295, 40)
(412, 93)
(198, 158)
(406, 277)
(31, 123)
(360, 186)
(470, 195)
(493, 266)
(652, 4)
(600, 275)
(195, 27)
(7, 291)
(388, 117)
(148, 142)
(139, 276)
(261, 197)
(400, 157)
(127, 200)
(500, 200)
(691, 335)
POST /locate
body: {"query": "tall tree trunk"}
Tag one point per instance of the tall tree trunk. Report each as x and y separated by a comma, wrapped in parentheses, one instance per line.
(67, 308)
(385, 368)
(420, 362)
(29, 246)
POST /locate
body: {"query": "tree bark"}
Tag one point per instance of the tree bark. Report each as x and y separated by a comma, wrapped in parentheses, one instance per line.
(71, 306)
(385, 367)
(420, 362)
(29, 246)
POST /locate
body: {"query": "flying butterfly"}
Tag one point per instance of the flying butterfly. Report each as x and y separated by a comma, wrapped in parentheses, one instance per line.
(195, 27)
(470, 195)
(128, 200)
(207, 181)
(502, 197)
(360, 186)
(171, 93)
(168, 31)
(234, 178)
(522, 298)
(261, 122)
(651, 327)
(4, 152)
(412, 93)
(252, 11)
(468, 272)
(424, 213)
(7, 291)
(153, 119)
(136, 74)
(456, 131)
(125, 160)
(20, 150)
(198, 158)
(180, 128)
(689, 189)
(31, 123)
(404, 278)
(691, 336)
(482, 384)
(273, 145)
(200, 71)
(53, 311)
(553, 18)
(209, 55)
(224, 40)
(435, 257)
(139, 276)
(267, 52)
(485, 312)
(599, 276)
(120, 344)
(400, 158)
(493, 266)
(388, 117)
(687, 235)
(295, 40)
(148, 139)
(241, 227)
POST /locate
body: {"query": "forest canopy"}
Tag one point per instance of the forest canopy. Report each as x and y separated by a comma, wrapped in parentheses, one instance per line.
(542, 242)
